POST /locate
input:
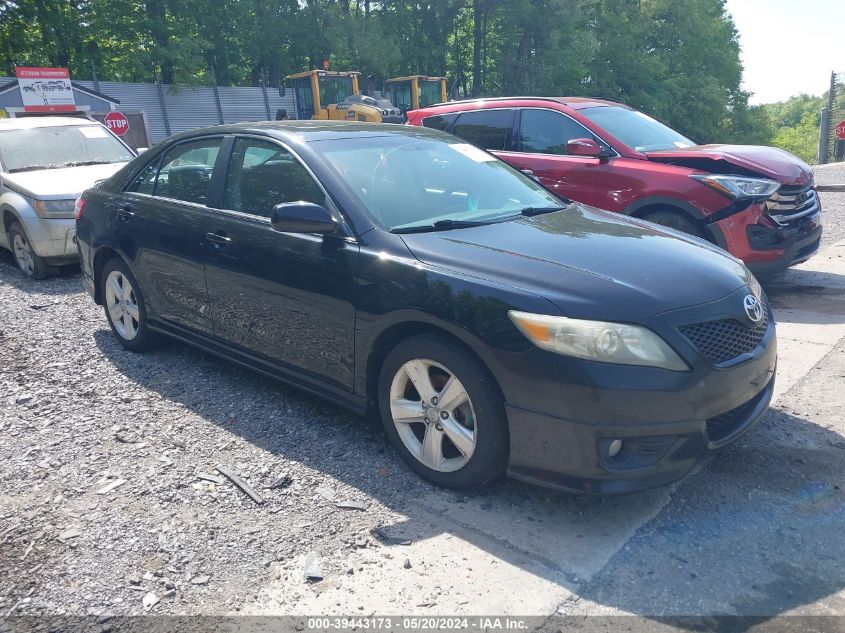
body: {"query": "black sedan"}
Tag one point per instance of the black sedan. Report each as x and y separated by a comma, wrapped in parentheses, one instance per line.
(405, 274)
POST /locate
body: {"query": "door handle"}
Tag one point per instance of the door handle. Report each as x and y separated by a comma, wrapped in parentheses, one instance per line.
(125, 212)
(218, 240)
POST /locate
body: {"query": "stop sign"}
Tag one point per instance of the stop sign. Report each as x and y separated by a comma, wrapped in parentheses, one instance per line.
(117, 123)
(840, 130)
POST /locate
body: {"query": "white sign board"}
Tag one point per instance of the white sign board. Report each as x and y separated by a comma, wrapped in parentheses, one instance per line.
(45, 89)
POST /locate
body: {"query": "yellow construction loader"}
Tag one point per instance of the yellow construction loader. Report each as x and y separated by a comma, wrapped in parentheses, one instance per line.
(415, 92)
(334, 96)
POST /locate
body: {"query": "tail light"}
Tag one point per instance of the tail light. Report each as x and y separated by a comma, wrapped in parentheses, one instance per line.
(79, 208)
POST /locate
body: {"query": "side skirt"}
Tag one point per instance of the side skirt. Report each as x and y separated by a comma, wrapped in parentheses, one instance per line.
(346, 399)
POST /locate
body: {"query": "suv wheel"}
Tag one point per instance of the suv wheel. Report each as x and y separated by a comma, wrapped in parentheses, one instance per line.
(675, 220)
(28, 261)
(125, 307)
(443, 413)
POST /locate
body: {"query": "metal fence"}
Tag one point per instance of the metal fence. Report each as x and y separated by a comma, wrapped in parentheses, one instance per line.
(175, 108)
(831, 148)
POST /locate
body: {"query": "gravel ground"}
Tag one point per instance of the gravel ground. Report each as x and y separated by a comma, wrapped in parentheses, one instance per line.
(833, 204)
(101, 499)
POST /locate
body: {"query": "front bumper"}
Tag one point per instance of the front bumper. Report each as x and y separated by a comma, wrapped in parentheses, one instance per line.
(564, 413)
(765, 246)
(777, 249)
(573, 457)
(53, 239)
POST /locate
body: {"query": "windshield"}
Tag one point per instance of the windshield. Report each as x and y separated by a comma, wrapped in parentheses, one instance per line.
(402, 95)
(408, 182)
(61, 146)
(334, 89)
(636, 129)
(429, 93)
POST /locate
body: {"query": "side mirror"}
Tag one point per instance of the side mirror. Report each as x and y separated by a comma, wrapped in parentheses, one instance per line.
(584, 147)
(302, 217)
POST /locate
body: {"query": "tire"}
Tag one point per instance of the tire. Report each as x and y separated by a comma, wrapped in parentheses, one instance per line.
(124, 306)
(31, 265)
(675, 220)
(474, 416)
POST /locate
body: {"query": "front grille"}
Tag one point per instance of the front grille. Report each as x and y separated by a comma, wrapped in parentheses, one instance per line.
(721, 426)
(789, 204)
(724, 339)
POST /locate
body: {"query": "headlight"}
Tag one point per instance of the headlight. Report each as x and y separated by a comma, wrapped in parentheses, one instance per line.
(738, 187)
(754, 286)
(598, 340)
(54, 208)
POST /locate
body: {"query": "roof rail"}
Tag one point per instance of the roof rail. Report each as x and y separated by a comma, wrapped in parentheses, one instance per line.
(514, 98)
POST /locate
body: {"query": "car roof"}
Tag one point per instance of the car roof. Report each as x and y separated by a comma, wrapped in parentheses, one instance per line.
(316, 130)
(31, 122)
(576, 103)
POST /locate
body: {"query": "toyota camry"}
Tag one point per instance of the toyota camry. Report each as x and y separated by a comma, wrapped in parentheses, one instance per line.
(403, 273)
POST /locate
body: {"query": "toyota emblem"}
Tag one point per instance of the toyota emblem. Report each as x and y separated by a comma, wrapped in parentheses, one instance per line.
(753, 308)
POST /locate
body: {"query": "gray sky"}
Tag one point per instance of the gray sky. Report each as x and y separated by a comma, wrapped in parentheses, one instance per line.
(789, 46)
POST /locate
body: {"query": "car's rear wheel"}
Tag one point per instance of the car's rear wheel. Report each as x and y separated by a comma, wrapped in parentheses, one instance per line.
(26, 258)
(443, 413)
(125, 307)
(675, 220)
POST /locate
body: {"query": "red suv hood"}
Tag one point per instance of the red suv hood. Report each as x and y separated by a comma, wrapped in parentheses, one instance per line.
(767, 161)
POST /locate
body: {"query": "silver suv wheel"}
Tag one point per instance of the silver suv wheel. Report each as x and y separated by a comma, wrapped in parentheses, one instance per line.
(23, 254)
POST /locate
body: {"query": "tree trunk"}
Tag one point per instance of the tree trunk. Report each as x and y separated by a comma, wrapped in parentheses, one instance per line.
(156, 13)
(477, 38)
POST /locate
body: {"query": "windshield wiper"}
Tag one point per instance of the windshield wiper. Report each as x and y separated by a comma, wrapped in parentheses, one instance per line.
(82, 163)
(440, 225)
(33, 168)
(79, 163)
(529, 211)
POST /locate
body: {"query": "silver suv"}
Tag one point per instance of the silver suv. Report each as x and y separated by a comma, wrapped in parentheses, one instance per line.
(45, 164)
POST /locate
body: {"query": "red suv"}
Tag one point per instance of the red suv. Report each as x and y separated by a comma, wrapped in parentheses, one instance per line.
(758, 203)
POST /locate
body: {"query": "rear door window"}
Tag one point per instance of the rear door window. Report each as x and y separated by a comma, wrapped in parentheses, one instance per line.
(487, 129)
(145, 181)
(186, 170)
(548, 132)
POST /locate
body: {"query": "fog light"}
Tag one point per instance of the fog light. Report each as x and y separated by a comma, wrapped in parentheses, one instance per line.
(614, 448)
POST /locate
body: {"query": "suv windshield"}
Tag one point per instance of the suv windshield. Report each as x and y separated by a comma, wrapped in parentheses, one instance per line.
(408, 182)
(636, 129)
(429, 92)
(60, 146)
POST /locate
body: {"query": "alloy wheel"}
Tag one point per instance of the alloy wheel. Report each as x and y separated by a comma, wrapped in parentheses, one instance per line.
(23, 254)
(433, 415)
(122, 305)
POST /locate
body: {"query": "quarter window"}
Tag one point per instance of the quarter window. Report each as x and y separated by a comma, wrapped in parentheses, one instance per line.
(486, 128)
(186, 170)
(262, 174)
(547, 132)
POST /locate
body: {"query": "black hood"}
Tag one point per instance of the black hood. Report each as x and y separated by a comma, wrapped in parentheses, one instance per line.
(591, 264)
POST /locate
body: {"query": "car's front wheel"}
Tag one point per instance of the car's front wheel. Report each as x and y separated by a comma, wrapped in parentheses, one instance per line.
(125, 307)
(30, 263)
(443, 413)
